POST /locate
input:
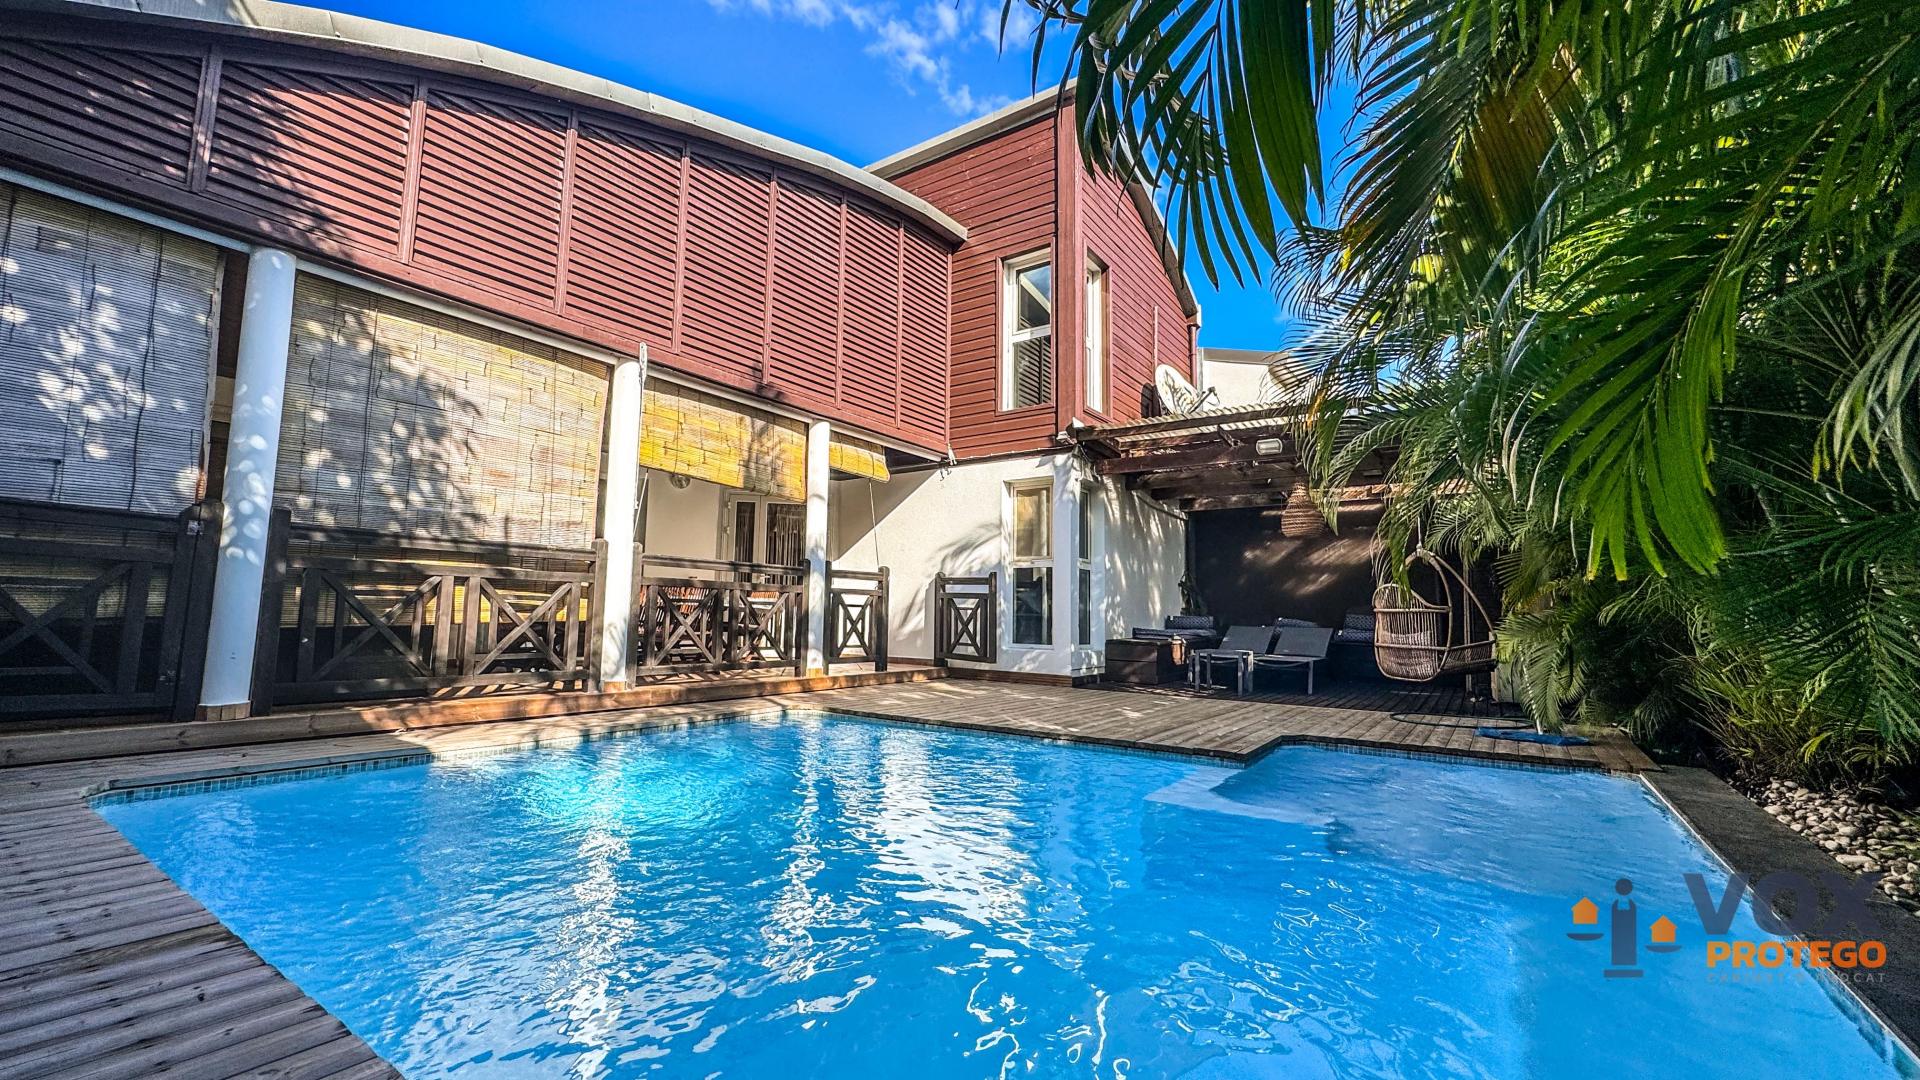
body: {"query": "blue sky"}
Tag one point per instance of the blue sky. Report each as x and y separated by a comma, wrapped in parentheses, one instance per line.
(859, 79)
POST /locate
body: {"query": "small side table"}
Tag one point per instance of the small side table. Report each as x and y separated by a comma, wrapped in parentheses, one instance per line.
(1145, 661)
(1201, 670)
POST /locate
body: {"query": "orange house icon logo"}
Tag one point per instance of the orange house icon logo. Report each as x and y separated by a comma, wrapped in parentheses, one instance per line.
(1623, 931)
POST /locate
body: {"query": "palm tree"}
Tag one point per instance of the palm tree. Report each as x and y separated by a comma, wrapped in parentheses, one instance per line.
(1599, 188)
(1631, 287)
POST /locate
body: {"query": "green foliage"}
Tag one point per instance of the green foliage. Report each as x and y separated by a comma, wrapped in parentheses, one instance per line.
(1633, 289)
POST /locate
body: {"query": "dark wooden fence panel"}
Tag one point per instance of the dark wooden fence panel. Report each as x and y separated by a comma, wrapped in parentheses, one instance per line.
(103, 613)
(857, 616)
(966, 618)
(710, 615)
(351, 614)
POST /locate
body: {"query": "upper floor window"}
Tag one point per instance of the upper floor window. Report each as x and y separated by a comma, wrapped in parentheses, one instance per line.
(1096, 353)
(1026, 365)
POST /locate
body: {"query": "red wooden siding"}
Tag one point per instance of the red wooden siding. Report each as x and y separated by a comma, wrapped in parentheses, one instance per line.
(625, 237)
(489, 207)
(1140, 297)
(1002, 189)
(594, 225)
(131, 110)
(283, 141)
(806, 302)
(723, 320)
(871, 342)
(923, 330)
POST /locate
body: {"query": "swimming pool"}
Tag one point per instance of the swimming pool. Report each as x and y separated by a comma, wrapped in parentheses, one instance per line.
(823, 895)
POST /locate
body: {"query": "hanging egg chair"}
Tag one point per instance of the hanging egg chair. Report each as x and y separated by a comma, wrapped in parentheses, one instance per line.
(1418, 640)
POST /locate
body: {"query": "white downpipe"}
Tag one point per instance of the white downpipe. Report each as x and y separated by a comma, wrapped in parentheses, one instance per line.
(253, 450)
(1066, 557)
(819, 484)
(618, 517)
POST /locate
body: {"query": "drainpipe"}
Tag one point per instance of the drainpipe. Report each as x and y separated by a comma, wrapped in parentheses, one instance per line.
(253, 451)
(819, 485)
(619, 519)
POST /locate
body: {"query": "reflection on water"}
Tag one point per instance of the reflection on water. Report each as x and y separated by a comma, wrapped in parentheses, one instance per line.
(834, 897)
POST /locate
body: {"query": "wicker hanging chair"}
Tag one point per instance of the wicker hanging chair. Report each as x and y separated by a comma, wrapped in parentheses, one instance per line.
(1417, 640)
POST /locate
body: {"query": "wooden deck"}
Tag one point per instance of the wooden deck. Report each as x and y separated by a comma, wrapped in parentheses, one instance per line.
(1441, 698)
(108, 970)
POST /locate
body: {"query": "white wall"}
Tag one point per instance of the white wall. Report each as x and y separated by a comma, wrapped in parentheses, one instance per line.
(1238, 376)
(953, 520)
(683, 522)
(1143, 552)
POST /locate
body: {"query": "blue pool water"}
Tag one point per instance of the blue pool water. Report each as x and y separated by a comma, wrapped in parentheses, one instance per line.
(832, 897)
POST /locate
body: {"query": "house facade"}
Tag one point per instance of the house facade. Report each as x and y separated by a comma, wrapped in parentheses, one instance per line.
(347, 361)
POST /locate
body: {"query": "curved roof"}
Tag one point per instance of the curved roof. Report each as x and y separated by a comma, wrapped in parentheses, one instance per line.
(318, 28)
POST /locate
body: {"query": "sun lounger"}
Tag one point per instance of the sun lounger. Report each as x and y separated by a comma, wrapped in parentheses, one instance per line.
(1294, 646)
(1237, 650)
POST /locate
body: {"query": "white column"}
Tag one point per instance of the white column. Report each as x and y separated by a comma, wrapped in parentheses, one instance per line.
(253, 449)
(618, 518)
(1066, 558)
(819, 482)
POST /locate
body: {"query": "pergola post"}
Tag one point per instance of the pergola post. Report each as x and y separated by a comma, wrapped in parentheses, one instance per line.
(819, 485)
(619, 520)
(253, 451)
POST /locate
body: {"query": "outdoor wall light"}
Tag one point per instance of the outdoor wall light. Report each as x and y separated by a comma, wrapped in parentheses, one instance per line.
(1267, 447)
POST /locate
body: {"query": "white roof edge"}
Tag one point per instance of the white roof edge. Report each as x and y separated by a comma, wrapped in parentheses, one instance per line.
(1018, 114)
(1216, 354)
(338, 32)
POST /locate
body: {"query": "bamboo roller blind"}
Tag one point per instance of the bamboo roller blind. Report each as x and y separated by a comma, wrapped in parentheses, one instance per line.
(106, 344)
(405, 420)
(710, 438)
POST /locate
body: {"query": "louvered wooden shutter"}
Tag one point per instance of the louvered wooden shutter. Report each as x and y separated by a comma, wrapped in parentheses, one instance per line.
(106, 342)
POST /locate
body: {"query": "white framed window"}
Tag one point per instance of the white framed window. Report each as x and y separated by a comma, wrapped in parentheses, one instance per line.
(1026, 331)
(764, 530)
(1030, 562)
(1096, 345)
(1083, 595)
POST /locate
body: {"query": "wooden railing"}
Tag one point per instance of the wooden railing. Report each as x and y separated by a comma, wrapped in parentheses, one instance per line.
(353, 614)
(103, 611)
(710, 615)
(966, 618)
(857, 616)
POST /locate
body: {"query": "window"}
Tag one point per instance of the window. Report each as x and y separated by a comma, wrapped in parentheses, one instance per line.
(1096, 379)
(1032, 561)
(769, 531)
(744, 515)
(1083, 622)
(1026, 376)
(786, 534)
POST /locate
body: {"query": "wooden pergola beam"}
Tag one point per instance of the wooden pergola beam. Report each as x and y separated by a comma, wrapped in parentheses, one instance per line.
(1219, 453)
(1234, 502)
(1246, 485)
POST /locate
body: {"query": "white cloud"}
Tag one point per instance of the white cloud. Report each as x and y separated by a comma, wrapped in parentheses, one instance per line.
(918, 45)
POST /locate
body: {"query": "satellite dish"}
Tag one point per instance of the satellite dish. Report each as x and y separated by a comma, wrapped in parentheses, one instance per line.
(1177, 395)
